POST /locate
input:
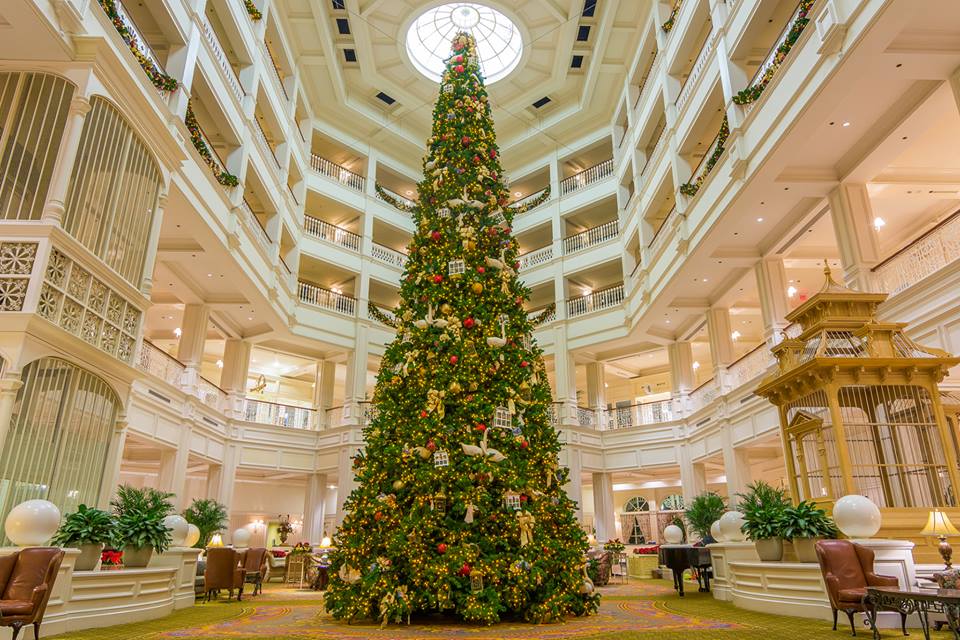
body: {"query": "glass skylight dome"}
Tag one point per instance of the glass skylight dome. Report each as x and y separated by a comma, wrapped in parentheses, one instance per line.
(499, 44)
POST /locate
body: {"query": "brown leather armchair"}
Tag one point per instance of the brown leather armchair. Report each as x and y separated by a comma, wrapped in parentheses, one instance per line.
(255, 562)
(847, 572)
(223, 572)
(26, 580)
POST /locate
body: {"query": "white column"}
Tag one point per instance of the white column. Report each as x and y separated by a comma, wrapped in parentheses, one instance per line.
(574, 484)
(111, 470)
(54, 207)
(214, 481)
(721, 344)
(564, 371)
(355, 390)
(193, 335)
(10, 385)
(228, 475)
(173, 469)
(346, 480)
(324, 383)
(774, 303)
(852, 217)
(181, 64)
(313, 503)
(233, 377)
(604, 516)
(736, 467)
(693, 477)
(596, 392)
(153, 245)
(680, 355)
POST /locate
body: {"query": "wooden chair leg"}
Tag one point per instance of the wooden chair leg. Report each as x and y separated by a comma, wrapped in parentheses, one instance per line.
(835, 612)
(853, 627)
(903, 623)
(16, 626)
(36, 630)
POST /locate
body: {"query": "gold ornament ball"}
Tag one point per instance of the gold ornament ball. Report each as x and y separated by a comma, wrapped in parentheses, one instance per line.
(446, 309)
(397, 485)
(455, 387)
(477, 288)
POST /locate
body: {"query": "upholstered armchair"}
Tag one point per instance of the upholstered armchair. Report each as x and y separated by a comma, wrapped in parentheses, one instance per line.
(847, 572)
(26, 580)
(223, 572)
(255, 562)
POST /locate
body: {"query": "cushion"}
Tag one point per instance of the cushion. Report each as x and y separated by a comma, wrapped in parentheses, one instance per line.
(851, 595)
(949, 579)
(6, 568)
(16, 607)
(29, 573)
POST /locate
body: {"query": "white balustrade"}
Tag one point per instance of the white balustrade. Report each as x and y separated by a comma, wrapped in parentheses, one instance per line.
(750, 366)
(664, 233)
(157, 363)
(645, 413)
(642, 84)
(331, 233)
(771, 58)
(276, 70)
(383, 310)
(407, 202)
(262, 137)
(698, 66)
(586, 417)
(216, 50)
(253, 223)
(334, 171)
(334, 416)
(536, 257)
(703, 395)
(595, 301)
(211, 395)
(368, 411)
(924, 256)
(516, 204)
(281, 415)
(387, 255)
(587, 177)
(138, 40)
(591, 237)
(326, 299)
(532, 315)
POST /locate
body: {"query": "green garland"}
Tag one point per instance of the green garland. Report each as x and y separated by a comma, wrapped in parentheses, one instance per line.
(533, 204)
(223, 176)
(691, 188)
(389, 199)
(380, 316)
(753, 92)
(252, 10)
(668, 25)
(160, 80)
(541, 317)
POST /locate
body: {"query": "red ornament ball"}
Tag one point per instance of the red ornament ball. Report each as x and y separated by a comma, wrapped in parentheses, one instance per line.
(454, 359)
(523, 497)
(423, 414)
(524, 444)
(458, 59)
(469, 323)
(524, 363)
(378, 516)
(481, 269)
(481, 427)
(458, 68)
(465, 140)
(465, 569)
(493, 153)
(431, 445)
(441, 548)
(437, 279)
(436, 235)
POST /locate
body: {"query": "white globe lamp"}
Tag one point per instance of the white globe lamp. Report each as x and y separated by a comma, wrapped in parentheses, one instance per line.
(673, 534)
(857, 516)
(731, 526)
(32, 523)
(715, 531)
(179, 528)
(193, 535)
(241, 538)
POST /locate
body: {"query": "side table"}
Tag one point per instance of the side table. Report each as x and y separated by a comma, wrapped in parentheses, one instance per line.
(922, 602)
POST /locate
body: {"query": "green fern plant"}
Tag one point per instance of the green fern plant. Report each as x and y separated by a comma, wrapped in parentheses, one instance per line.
(703, 511)
(140, 514)
(209, 516)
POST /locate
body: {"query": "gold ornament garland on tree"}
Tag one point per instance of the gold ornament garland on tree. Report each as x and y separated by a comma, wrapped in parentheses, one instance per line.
(454, 511)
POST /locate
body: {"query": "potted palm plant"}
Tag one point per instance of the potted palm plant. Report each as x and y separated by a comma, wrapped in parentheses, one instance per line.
(804, 524)
(209, 516)
(762, 507)
(703, 511)
(88, 530)
(140, 528)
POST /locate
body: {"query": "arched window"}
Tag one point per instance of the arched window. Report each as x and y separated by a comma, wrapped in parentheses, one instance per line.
(632, 523)
(60, 432)
(635, 504)
(113, 192)
(672, 503)
(33, 113)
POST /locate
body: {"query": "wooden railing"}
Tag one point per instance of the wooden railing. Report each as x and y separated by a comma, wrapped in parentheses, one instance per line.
(331, 233)
(334, 171)
(587, 177)
(750, 365)
(324, 298)
(276, 70)
(591, 237)
(703, 395)
(211, 395)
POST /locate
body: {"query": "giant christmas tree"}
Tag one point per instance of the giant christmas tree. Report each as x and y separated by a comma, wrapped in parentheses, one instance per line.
(460, 506)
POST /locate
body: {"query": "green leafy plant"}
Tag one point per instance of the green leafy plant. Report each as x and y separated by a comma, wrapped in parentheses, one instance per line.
(86, 526)
(678, 521)
(703, 511)
(763, 507)
(140, 514)
(209, 516)
(806, 520)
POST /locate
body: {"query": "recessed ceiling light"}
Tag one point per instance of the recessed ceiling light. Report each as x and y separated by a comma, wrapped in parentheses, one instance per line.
(879, 223)
(845, 124)
(209, 275)
(791, 291)
(696, 365)
(705, 280)
(735, 335)
(759, 219)
(177, 332)
(668, 321)
(517, 194)
(219, 364)
(250, 318)
(409, 192)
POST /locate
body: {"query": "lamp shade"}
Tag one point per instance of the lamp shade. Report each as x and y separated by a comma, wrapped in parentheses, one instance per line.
(938, 524)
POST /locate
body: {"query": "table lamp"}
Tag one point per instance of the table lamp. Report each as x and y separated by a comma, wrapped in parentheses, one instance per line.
(939, 525)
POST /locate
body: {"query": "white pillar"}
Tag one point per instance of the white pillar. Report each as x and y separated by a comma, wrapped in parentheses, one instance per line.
(682, 379)
(233, 377)
(721, 344)
(193, 335)
(355, 389)
(693, 477)
(10, 385)
(596, 386)
(54, 207)
(564, 372)
(774, 303)
(324, 382)
(346, 480)
(736, 467)
(228, 475)
(153, 244)
(604, 516)
(852, 217)
(574, 484)
(214, 481)
(173, 469)
(111, 469)
(313, 503)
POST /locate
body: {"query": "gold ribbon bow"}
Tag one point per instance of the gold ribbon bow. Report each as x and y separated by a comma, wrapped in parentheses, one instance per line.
(526, 520)
(435, 402)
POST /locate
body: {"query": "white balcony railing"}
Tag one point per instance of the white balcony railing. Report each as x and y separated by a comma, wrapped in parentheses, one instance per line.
(535, 313)
(595, 301)
(334, 171)
(262, 137)
(138, 40)
(926, 255)
(586, 417)
(253, 223)
(331, 233)
(407, 202)
(516, 204)
(750, 366)
(156, 362)
(281, 415)
(325, 299)
(229, 75)
(536, 257)
(387, 312)
(703, 395)
(640, 414)
(663, 234)
(276, 70)
(591, 237)
(587, 177)
(696, 71)
(211, 395)
(770, 65)
(642, 84)
(388, 256)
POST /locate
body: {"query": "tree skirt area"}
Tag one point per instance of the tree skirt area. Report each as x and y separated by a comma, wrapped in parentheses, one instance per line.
(644, 610)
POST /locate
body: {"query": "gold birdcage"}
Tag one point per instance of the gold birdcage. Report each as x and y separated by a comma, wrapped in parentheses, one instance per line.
(860, 409)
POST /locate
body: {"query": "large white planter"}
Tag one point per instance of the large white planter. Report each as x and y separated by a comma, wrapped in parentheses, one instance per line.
(134, 558)
(806, 549)
(88, 558)
(770, 549)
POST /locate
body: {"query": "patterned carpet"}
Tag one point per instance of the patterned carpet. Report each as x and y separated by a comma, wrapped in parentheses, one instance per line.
(641, 610)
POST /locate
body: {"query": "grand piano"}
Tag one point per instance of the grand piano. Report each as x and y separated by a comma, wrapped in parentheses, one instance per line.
(680, 557)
